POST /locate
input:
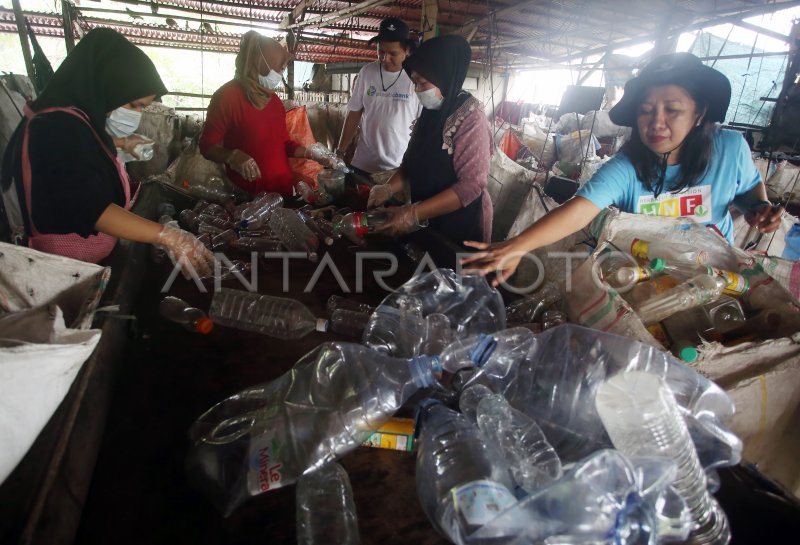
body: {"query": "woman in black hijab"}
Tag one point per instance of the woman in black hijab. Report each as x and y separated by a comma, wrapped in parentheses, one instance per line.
(446, 165)
(72, 189)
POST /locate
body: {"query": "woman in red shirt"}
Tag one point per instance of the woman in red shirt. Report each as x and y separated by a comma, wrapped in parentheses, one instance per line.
(246, 123)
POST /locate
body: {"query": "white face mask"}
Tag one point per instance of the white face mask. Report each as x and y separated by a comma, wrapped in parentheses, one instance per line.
(429, 100)
(271, 80)
(123, 122)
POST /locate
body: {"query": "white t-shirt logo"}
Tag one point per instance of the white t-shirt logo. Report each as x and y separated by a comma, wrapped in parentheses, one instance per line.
(694, 203)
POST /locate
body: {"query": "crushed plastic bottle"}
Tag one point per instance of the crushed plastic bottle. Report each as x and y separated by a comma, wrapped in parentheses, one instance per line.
(530, 309)
(144, 150)
(438, 334)
(642, 418)
(274, 316)
(293, 233)
(694, 292)
(531, 459)
(212, 189)
(336, 302)
(221, 241)
(216, 221)
(553, 318)
(349, 323)
(325, 510)
(318, 151)
(314, 196)
(331, 401)
(179, 311)
(647, 250)
(256, 244)
(396, 330)
(189, 221)
(462, 482)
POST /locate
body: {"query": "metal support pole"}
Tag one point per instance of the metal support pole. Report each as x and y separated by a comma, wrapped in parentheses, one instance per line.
(23, 38)
(290, 80)
(69, 32)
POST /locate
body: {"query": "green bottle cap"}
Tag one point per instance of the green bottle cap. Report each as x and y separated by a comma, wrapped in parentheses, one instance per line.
(658, 265)
(689, 354)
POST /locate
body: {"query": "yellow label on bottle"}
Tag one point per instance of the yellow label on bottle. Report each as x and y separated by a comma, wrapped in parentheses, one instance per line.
(396, 434)
(640, 248)
(663, 283)
(737, 284)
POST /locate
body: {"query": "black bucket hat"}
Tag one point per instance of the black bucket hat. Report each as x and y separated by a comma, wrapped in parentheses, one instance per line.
(683, 69)
(393, 30)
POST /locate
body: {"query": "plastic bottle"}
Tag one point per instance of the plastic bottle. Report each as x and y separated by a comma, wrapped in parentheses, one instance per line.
(531, 459)
(694, 292)
(256, 244)
(181, 312)
(314, 228)
(144, 151)
(325, 510)
(438, 334)
(462, 482)
(224, 239)
(737, 284)
(701, 322)
(216, 221)
(553, 318)
(189, 221)
(331, 401)
(620, 270)
(358, 224)
(396, 330)
(326, 227)
(767, 324)
(332, 181)
(642, 418)
(336, 302)
(293, 233)
(647, 250)
(274, 316)
(644, 291)
(256, 213)
(321, 151)
(210, 191)
(337, 218)
(313, 196)
(529, 309)
(349, 323)
(470, 397)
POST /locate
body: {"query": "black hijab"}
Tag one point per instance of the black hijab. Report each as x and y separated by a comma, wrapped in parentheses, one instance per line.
(443, 61)
(102, 73)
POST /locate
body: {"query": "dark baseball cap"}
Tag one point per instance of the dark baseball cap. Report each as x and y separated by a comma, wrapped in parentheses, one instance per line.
(393, 30)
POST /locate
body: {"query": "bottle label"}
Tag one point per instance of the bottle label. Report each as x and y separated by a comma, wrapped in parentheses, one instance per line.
(737, 284)
(360, 224)
(640, 248)
(264, 470)
(481, 501)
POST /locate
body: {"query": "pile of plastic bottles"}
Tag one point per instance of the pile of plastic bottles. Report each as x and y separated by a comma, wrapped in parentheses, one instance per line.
(683, 300)
(570, 435)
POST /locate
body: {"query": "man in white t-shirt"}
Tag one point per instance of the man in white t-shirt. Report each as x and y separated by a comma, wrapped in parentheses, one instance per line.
(383, 102)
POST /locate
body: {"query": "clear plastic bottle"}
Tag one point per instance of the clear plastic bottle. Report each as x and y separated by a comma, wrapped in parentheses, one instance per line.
(179, 311)
(221, 241)
(313, 196)
(349, 323)
(619, 270)
(211, 191)
(701, 322)
(642, 418)
(530, 309)
(531, 459)
(553, 318)
(358, 224)
(144, 150)
(694, 292)
(626, 277)
(332, 181)
(189, 221)
(396, 330)
(315, 228)
(331, 401)
(644, 291)
(208, 228)
(336, 302)
(737, 284)
(256, 244)
(469, 398)
(256, 213)
(321, 151)
(293, 233)
(216, 221)
(325, 510)
(462, 482)
(274, 316)
(438, 334)
(647, 250)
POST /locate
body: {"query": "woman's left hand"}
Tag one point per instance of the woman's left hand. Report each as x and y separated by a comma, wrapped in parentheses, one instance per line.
(765, 217)
(402, 220)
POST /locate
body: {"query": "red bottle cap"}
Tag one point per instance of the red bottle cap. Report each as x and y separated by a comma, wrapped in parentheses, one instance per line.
(204, 326)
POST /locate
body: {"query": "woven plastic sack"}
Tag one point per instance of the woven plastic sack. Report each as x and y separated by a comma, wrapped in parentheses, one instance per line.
(299, 130)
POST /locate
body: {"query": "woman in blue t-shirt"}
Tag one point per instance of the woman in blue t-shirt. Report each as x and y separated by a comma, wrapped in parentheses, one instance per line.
(678, 162)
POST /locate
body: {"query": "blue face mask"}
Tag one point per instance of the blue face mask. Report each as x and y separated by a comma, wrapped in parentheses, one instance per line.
(123, 122)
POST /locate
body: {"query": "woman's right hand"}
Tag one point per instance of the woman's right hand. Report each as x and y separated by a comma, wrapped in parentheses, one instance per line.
(379, 194)
(245, 165)
(501, 258)
(184, 249)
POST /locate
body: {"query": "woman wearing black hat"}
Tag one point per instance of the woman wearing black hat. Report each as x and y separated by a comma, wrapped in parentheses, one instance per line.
(446, 165)
(677, 163)
(73, 191)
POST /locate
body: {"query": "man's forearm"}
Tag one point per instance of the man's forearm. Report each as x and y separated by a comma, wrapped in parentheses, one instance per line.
(349, 130)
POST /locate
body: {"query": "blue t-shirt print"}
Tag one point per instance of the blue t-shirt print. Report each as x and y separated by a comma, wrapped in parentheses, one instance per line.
(731, 172)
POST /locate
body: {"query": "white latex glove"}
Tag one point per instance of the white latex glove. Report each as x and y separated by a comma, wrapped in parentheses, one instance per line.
(324, 156)
(402, 220)
(244, 164)
(183, 248)
(129, 143)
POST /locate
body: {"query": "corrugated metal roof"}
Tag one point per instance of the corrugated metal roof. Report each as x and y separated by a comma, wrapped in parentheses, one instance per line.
(514, 32)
